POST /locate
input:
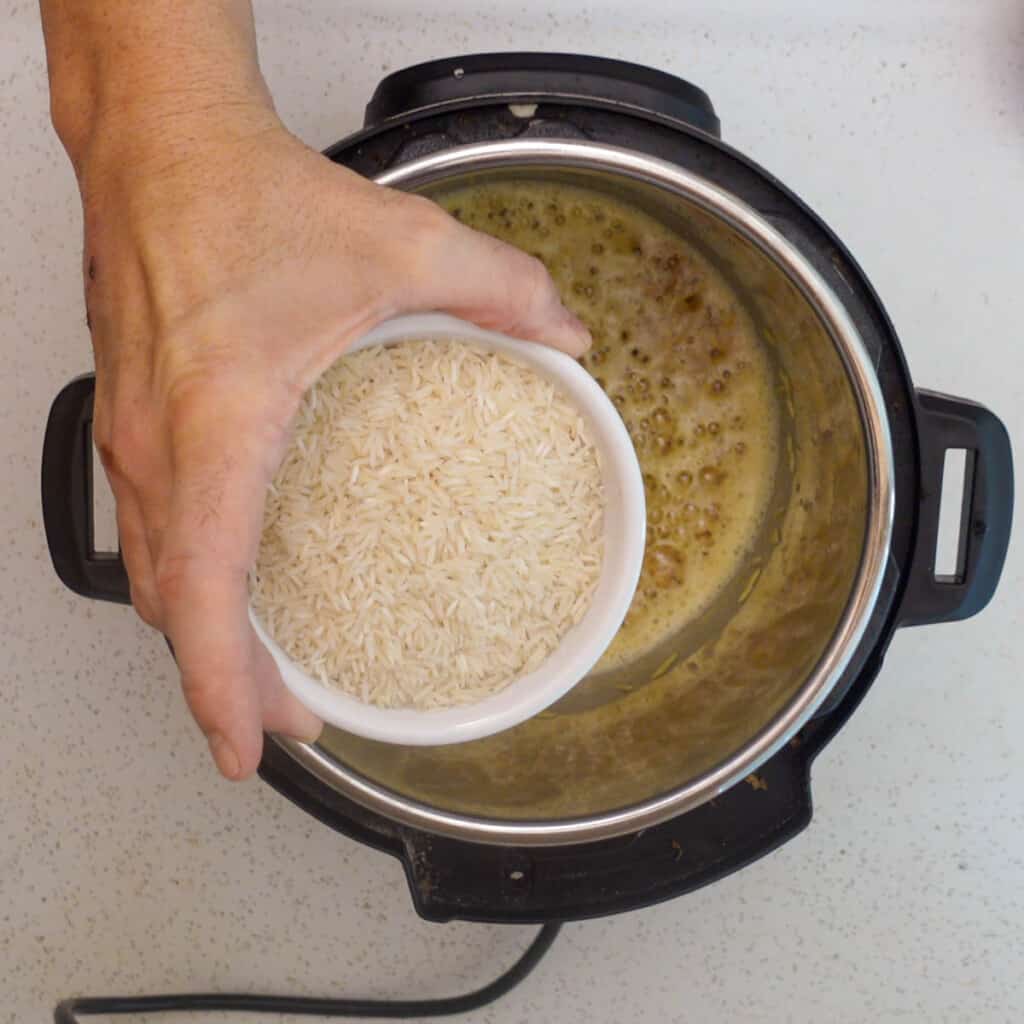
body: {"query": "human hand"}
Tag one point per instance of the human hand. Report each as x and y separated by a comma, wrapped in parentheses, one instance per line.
(226, 266)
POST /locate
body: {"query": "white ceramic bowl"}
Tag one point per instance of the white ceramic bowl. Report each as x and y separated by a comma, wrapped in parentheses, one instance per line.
(625, 528)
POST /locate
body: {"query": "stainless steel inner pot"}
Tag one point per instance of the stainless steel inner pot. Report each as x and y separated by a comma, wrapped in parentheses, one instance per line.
(620, 754)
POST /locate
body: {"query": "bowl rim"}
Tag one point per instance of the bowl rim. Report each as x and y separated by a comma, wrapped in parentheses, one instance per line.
(585, 642)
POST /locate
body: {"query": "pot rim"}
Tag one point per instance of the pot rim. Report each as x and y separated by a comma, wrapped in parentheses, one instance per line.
(863, 597)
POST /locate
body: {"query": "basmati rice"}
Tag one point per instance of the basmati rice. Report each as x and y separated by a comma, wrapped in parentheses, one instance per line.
(435, 529)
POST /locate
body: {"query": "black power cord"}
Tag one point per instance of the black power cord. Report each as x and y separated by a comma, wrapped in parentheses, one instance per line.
(69, 1011)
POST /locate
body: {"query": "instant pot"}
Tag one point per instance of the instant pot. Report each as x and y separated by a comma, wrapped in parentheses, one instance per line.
(652, 781)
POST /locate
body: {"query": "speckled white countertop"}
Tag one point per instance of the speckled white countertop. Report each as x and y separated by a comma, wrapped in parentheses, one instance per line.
(127, 866)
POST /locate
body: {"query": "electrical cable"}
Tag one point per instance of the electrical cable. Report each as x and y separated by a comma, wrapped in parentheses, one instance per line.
(70, 1010)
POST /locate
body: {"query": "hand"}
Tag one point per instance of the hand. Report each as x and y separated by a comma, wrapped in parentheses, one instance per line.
(226, 266)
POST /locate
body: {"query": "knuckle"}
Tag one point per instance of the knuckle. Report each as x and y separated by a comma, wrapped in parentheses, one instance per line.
(531, 287)
(108, 456)
(204, 394)
(414, 240)
(122, 439)
(182, 372)
(536, 279)
(171, 576)
(419, 212)
(423, 228)
(101, 434)
(144, 606)
(103, 439)
(128, 442)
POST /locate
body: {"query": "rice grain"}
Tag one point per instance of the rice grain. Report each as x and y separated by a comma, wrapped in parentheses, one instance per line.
(436, 526)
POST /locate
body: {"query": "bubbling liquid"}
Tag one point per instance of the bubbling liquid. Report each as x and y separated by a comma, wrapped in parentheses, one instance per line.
(679, 357)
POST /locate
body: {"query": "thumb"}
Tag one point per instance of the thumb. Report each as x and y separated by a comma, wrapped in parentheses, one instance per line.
(479, 278)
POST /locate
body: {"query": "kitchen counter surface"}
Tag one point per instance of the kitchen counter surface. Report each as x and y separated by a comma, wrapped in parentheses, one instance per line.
(127, 866)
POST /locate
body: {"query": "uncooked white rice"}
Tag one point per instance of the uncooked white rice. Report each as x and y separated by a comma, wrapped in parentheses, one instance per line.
(435, 529)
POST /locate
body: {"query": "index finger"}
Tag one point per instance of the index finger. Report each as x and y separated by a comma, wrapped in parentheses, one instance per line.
(202, 578)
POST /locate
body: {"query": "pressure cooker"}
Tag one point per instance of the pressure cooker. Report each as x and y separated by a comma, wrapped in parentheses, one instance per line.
(642, 787)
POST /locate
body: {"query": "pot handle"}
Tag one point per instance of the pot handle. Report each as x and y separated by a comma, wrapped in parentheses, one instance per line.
(947, 424)
(68, 500)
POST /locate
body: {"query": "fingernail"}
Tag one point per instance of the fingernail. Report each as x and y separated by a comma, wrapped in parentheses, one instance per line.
(225, 756)
(304, 734)
(304, 726)
(313, 733)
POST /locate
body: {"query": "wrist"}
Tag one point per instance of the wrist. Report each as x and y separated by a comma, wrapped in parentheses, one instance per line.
(127, 104)
(143, 143)
(119, 68)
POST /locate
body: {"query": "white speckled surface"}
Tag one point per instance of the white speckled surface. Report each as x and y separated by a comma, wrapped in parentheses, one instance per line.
(125, 865)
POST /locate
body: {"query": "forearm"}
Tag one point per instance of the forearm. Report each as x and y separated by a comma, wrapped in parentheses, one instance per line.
(124, 66)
